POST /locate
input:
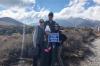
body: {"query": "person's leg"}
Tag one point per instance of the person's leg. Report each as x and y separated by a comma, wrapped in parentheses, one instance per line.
(44, 60)
(54, 57)
(37, 56)
(35, 59)
(55, 61)
(50, 58)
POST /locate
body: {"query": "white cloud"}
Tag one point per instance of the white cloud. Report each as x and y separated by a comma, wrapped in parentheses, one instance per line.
(17, 9)
(21, 14)
(76, 9)
(13, 13)
(97, 1)
(28, 1)
(73, 2)
(92, 13)
(20, 3)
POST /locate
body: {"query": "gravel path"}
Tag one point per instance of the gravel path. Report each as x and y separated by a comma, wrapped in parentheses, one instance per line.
(95, 61)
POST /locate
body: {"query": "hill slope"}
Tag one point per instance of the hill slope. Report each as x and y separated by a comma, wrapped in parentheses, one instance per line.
(6, 21)
(78, 22)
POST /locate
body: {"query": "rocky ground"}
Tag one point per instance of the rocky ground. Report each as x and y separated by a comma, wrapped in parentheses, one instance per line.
(95, 60)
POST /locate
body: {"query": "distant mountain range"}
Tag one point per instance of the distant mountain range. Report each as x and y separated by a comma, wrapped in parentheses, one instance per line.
(6, 21)
(78, 22)
(70, 22)
(9, 26)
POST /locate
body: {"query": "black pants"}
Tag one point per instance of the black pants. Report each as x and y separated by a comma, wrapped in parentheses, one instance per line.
(35, 59)
(49, 59)
(37, 56)
(54, 55)
(46, 59)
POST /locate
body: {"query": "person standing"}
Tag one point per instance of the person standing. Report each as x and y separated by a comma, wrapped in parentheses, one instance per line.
(38, 41)
(56, 47)
(50, 22)
(54, 50)
(46, 50)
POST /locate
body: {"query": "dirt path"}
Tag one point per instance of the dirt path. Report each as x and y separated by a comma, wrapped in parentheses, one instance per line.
(95, 61)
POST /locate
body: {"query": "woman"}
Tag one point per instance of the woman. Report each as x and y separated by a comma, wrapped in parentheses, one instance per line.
(38, 41)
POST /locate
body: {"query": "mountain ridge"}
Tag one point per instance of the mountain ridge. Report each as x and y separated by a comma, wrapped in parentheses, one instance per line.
(7, 21)
(78, 22)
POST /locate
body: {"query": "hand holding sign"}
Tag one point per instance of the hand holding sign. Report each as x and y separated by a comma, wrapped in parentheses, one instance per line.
(53, 37)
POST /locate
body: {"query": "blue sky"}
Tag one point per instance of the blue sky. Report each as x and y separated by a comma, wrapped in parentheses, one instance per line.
(52, 5)
(89, 3)
(2, 7)
(57, 5)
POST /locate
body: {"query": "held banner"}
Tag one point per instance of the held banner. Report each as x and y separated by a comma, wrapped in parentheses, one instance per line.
(53, 37)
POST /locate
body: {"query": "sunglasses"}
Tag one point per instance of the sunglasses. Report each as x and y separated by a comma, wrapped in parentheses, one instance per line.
(41, 22)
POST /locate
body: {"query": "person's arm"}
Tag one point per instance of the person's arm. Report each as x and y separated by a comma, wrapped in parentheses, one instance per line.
(62, 37)
(35, 36)
(45, 24)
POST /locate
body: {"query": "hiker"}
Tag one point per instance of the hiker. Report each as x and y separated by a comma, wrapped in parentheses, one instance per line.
(50, 53)
(50, 22)
(56, 45)
(62, 37)
(46, 50)
(53, 52)
(38, 41)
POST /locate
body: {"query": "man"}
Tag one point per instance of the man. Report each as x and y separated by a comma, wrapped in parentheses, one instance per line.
(57, 46)
(50, 22)
(45, 57)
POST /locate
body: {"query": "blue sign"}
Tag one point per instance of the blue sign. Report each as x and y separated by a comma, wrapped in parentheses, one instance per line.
(53, 37)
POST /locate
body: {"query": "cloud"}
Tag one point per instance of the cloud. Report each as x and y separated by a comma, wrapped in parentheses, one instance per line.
(92, 13)
(17, 9)
(21, 10)
(76, 9)
(15, 12)
(20, 3)
(22, 15)
(97, 1)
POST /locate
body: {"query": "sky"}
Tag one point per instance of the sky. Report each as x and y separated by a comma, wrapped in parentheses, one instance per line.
(52, 5)
(30, 11)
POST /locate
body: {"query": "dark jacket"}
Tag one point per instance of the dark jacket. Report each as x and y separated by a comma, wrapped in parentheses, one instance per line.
(40, 35)
(51, 24)
(38, 40)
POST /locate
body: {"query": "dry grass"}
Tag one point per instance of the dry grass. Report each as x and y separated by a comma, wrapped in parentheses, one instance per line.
(75, 48)
(10, 47)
